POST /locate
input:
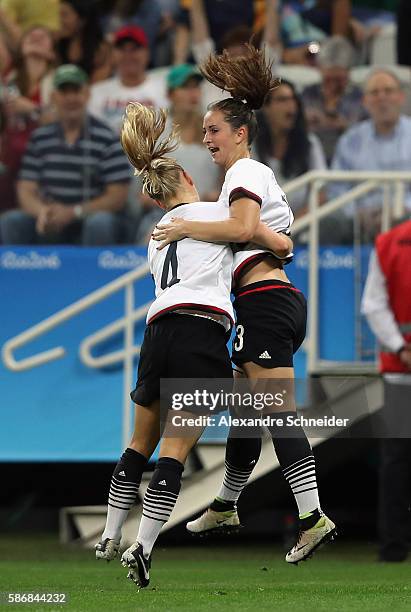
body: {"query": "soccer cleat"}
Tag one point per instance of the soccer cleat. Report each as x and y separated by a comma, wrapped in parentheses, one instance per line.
(107, 549)
(138, 564)
(215, 522)
(309, 540)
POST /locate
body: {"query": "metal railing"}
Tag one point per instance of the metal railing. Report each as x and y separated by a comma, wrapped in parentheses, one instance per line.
(126, 282)
(313, 180)
(392, 208)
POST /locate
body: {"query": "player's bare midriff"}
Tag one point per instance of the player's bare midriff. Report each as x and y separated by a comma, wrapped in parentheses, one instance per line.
(267, 269)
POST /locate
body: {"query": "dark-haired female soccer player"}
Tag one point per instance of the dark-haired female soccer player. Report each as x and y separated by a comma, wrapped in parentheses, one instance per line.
(185, 338)
(271, 312)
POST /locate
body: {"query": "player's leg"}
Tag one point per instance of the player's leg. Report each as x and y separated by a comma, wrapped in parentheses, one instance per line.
(126, 477)
(283, 316)
(128, 472)
(241, 456)
(271, 326)
(159, 501)
(296, 459)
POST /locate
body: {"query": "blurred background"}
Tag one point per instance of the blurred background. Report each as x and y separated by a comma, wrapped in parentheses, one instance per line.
(74, 227)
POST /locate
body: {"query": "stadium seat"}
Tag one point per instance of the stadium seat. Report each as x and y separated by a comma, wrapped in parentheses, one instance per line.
(300, 76)
(383, 45)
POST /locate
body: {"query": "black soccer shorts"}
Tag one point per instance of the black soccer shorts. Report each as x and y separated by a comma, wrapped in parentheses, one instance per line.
(271, 323)
(180, 346)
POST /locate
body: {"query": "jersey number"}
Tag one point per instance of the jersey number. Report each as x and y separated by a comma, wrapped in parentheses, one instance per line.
(239, 339)
(171, 259)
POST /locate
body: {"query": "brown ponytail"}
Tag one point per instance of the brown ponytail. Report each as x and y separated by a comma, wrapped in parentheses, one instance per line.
(249, 81)
(248, 77)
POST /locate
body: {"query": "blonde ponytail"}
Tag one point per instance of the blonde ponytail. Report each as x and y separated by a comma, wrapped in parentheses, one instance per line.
(142, 129)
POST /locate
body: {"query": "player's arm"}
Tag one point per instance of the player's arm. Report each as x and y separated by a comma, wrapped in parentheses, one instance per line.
(277, 242)
(239, 227)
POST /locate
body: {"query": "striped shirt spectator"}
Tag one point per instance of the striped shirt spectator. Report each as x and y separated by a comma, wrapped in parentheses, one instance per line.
(74, 177)
(77, 173)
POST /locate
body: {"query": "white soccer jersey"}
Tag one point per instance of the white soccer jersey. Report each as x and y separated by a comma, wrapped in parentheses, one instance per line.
(257, 181)
(191, 274)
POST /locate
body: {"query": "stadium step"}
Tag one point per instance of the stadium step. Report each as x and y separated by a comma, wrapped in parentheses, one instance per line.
(354, 396)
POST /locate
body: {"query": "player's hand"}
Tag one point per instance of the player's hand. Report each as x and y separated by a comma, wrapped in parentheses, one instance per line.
(173, 231)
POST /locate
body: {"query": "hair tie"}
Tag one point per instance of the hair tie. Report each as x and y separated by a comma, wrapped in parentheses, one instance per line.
(145, 168)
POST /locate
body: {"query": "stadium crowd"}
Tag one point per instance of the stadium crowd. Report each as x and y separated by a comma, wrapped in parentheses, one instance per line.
(69, 68)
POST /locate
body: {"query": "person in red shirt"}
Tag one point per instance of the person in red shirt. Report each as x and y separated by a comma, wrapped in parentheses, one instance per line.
(387, 305)
(11, 152)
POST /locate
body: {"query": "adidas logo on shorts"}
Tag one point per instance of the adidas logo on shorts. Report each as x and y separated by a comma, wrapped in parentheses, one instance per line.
(265, 355)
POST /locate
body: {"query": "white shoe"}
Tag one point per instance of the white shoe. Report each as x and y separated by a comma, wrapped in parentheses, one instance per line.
(308, 541)
(107, 549)
(138, 565)
(212, 522)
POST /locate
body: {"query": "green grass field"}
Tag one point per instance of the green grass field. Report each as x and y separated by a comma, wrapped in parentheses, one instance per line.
(339, 577)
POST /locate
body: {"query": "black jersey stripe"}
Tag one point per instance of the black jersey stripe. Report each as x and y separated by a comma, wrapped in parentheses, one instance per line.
(241, 192)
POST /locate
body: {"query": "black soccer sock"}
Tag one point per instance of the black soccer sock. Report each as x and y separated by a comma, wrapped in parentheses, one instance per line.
(309, 519)
(123, 491)
(297, 462)
(159, 501)
(241, 456)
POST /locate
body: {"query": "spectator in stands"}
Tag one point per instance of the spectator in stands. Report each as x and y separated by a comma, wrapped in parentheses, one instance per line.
(334, 104)
(11, 151)
(404, 32)
(387, 305)
(184, 92)
(9, 166)
(304, 22)
(74, 177)
(233, 42)
(6, 62)
(26, 103)
(81, 40)
(209, 20)
(382, 142)
(145, 14)
(2, 118)
(17, 16)
(283, 142)
(164, 52)
(29, 84)
(132, 83)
